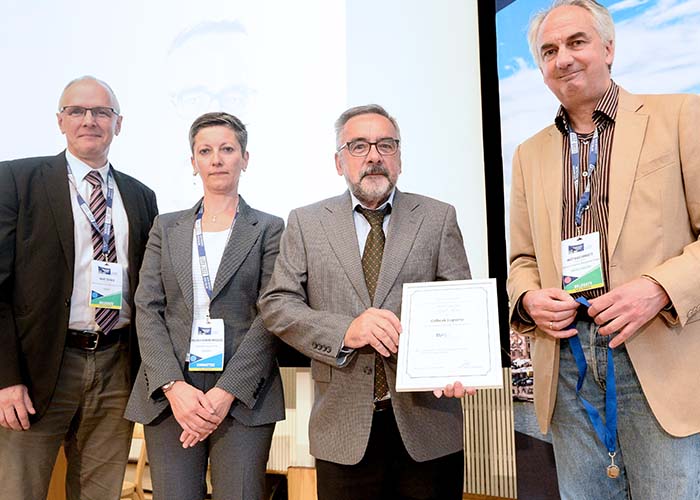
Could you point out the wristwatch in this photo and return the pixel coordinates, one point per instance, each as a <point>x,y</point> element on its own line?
<point>168,386</point>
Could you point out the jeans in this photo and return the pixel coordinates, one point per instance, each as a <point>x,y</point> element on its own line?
<point>654,465</point>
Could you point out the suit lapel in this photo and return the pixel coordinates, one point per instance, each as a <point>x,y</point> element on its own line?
<point>406,219</point>
<point>337,221</point>
<point>244,234</point>
<point>630,128</point>
<point>180,245</point>
<point>135,215</point>
<point>550,176</point>
<point>55,178</point>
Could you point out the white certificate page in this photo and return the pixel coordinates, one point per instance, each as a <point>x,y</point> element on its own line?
<point>450,333</point>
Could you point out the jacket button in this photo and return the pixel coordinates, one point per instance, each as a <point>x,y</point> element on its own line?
<point>367,370</point>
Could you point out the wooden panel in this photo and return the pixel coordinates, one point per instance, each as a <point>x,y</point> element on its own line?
<point>57,487</point>
<point>301,483</point>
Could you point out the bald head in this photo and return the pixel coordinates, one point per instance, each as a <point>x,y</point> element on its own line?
<point>88,79</point>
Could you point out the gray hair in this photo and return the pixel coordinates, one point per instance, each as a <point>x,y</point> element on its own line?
<point>367,109</point>
<point>602,21</point>
<point>219,119</point>
<point>84,78</point>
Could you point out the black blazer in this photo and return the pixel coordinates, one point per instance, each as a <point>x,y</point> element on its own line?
<point>37,256</point>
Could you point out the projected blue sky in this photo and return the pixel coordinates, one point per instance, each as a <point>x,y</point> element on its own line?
<point>662,33</point>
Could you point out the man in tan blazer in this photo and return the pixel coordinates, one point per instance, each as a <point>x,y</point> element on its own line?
<point>370,441</point>
<point>644,206</point>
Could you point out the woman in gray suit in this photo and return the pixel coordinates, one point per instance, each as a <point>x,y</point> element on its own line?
<point>209,386</point>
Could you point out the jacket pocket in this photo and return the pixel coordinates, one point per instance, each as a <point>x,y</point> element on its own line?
<point>320,372</point>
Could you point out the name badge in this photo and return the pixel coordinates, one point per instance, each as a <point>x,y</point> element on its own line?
<point>581,265</point>
<point>207,346</point>
<point>106,285</point>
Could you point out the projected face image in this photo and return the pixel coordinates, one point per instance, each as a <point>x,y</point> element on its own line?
<point>370,177</point>
<point>209,68</point>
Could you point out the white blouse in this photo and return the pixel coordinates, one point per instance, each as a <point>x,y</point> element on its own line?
<point>214,243</point>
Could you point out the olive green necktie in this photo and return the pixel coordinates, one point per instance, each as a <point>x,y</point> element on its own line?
<point>371,264</point>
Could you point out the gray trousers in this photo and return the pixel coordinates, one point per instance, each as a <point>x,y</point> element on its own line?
<point>238,455</point>
<point>85,415</point>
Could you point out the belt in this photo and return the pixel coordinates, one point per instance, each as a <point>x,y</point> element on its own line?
<point>384,404</point>
<point>95,341</point>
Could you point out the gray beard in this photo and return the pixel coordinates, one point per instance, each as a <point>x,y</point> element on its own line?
<point>371,197</point>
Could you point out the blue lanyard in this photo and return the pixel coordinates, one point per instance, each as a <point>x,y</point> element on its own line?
<point>201,251</point>
<point>585,198</point>
<point>107,228</point>
<point>607,433</point>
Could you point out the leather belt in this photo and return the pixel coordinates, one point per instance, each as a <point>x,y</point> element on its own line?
<point>384,404</point>
<point>95,341</point>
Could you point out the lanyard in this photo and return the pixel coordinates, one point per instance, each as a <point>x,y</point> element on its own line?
<point>107,228</point>
<point>585,198</point>
<point>607,432</point>
<point>201,251</point>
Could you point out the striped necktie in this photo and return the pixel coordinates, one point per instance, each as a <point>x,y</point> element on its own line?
<point>106,319</point>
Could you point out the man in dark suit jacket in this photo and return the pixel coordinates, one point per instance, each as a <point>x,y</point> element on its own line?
<point>66,368</point>
<point>331,302</point>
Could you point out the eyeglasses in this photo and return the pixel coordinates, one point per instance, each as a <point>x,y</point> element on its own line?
<point>360,147</point>
<point>98,112</point>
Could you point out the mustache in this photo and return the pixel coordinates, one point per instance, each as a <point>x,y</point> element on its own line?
<point>375,170</point>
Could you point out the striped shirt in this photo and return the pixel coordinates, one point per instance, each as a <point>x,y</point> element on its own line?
<point>596,217</point>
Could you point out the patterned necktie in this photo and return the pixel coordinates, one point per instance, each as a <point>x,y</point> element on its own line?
<point>106,319</point>
<point>371,264</point>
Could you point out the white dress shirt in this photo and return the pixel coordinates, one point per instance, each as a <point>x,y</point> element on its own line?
<point>82,316</point>
<point>362,227</point>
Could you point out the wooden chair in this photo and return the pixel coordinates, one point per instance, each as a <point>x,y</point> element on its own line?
<point>134,490</point>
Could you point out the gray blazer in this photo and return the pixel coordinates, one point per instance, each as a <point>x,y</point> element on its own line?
<point>164,304</point>
<point>318,288</point>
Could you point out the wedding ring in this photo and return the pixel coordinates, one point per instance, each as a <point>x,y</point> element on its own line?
<point>551,325</point>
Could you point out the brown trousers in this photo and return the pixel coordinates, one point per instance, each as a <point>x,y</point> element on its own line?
<point>85,415</point>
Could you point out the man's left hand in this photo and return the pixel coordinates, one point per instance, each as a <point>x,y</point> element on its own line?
<point>456,390</point>
<point>626,308</point>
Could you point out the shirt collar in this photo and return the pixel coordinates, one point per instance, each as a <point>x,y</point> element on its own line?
<point>389,201</point>
<point>604,113</point>
<point>80,169</point>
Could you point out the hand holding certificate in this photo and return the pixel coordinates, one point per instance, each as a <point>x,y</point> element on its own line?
<point>450,334</point>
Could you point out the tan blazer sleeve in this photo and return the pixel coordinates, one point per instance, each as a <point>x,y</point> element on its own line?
<point>678,275</point>
<point>523,274</point>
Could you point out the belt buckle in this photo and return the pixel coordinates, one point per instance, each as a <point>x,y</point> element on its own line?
<point>93,337</point>
<point>382,405</point>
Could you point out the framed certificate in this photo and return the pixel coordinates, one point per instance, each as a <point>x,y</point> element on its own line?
<point>450,333</point>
